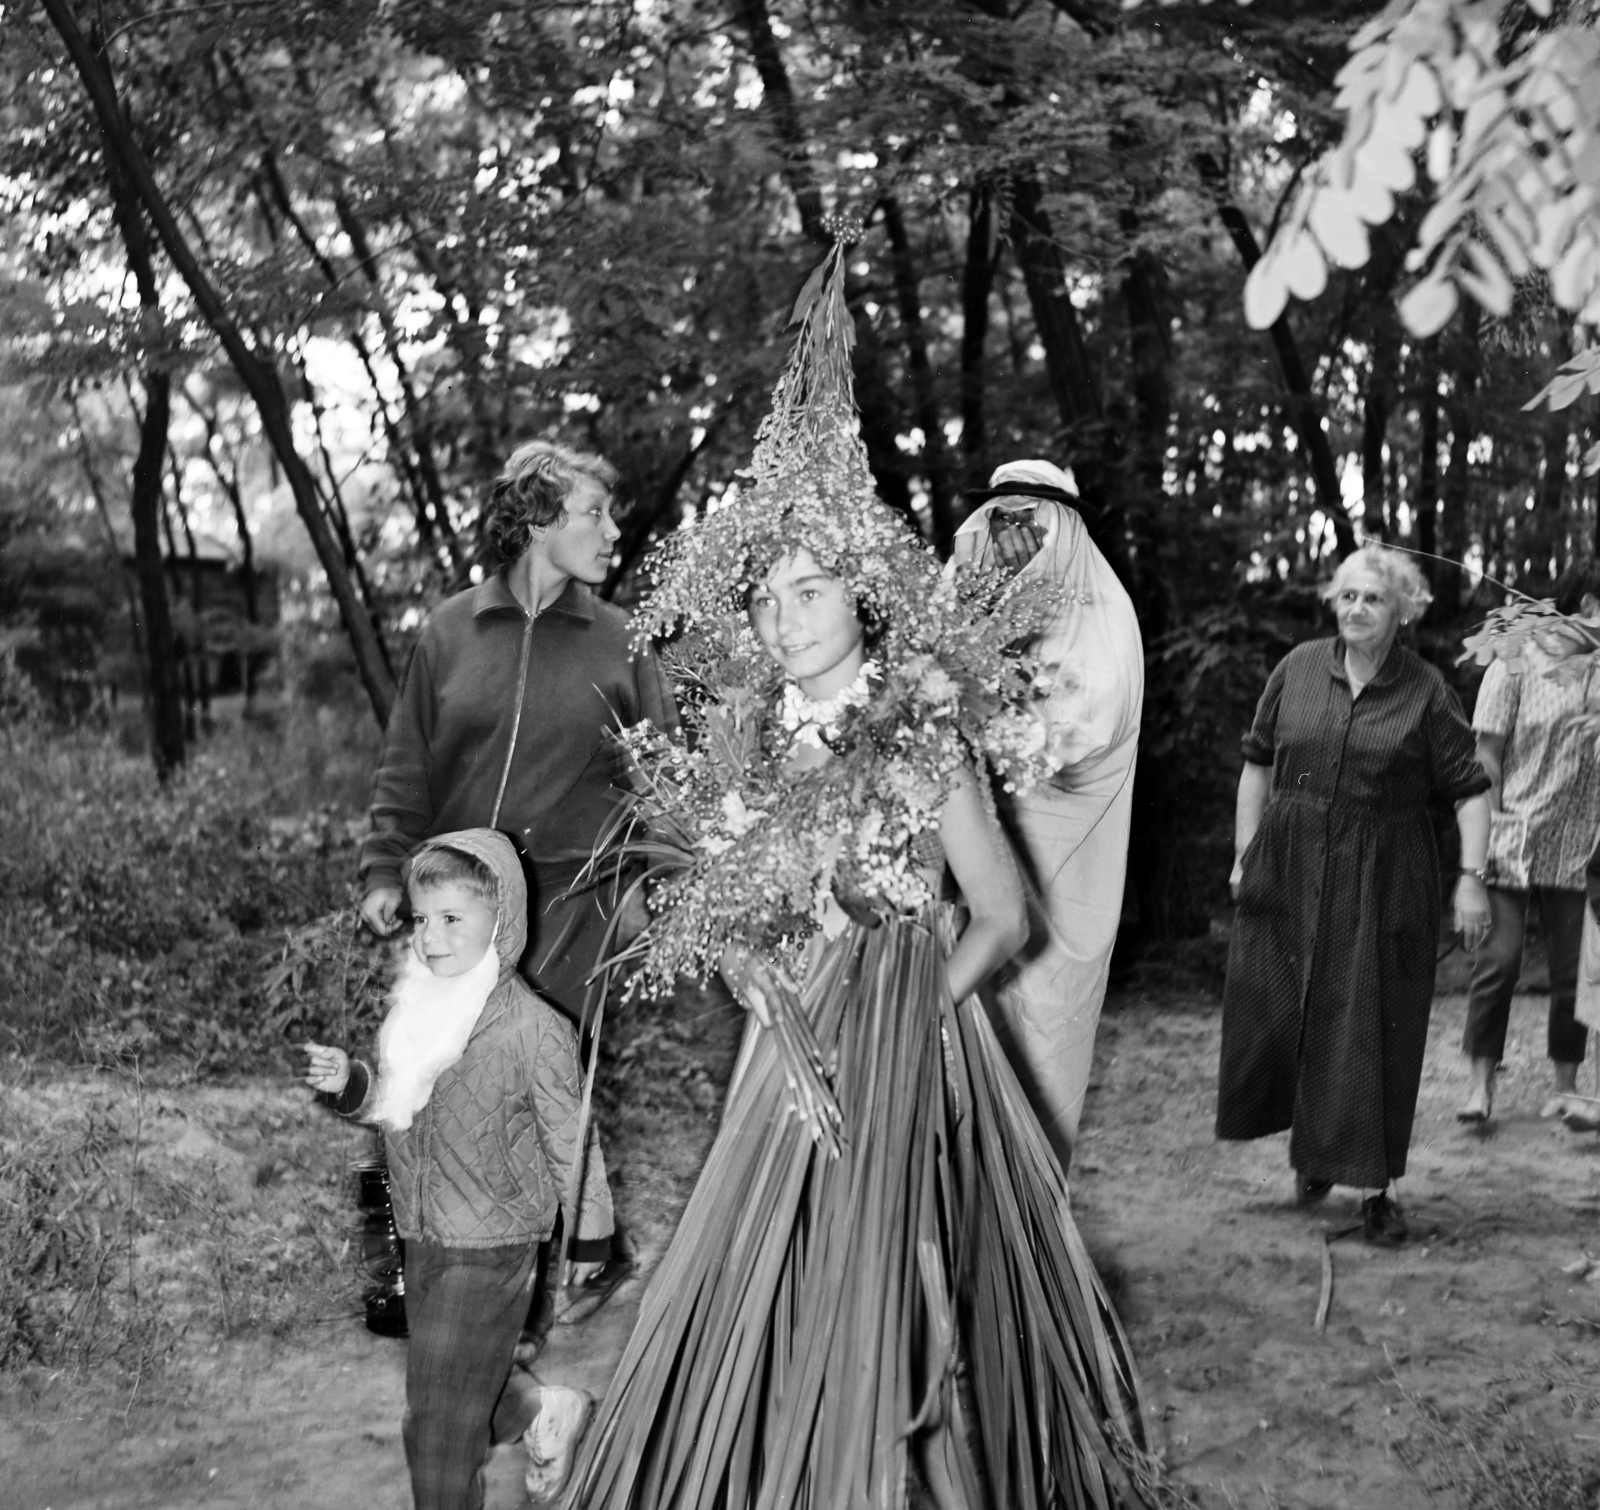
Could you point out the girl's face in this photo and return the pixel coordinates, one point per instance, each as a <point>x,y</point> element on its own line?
<point>807,620</point>
<point>1366,610</point>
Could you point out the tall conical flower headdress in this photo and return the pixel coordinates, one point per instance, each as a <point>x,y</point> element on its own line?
<point>808,487</point>
<point>953,690</point>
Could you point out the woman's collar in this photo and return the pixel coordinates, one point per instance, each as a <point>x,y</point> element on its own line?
<point>1385,673</point>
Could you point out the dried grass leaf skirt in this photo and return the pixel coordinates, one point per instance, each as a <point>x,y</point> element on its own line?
<point>801,1342</point>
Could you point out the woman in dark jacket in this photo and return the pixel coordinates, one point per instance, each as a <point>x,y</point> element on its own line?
<point>507,711</point>
<point>1330,973</point>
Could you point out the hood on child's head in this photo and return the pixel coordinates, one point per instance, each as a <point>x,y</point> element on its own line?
<point>497,852</point>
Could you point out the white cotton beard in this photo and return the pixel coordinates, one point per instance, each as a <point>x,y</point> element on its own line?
<point>430,1019</point>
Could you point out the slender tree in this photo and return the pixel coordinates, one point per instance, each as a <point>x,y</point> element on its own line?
<point>256,372</point>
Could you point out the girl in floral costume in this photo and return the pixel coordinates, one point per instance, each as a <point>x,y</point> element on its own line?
<point>876,1284</point>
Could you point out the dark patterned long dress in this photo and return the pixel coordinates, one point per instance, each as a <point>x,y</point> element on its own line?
<point>1330,971</point>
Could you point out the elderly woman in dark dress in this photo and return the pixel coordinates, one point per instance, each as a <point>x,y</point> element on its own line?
<point>1330,973</point>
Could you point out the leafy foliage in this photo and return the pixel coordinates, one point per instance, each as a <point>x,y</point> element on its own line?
<point>137,921</point>
<point>1505,100</point>
<point>452,229</point>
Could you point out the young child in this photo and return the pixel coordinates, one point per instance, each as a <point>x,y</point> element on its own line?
<point>477,1091</point>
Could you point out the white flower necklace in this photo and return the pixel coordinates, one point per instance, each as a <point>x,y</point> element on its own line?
<point>812,720</point>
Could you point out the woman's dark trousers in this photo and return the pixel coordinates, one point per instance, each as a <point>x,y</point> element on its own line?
<point>1498,964</point>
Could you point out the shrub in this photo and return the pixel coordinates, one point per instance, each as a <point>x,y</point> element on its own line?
<point>137,915</point>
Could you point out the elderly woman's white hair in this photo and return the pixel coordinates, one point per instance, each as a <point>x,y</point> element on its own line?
<point>1397,571</point>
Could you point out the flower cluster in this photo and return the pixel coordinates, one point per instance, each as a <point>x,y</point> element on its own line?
<point>704,571</point>
<point>737,846</point>
<point>741,848</point>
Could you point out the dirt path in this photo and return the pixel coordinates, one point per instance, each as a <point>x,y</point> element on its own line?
<point>1469,1339</point>
<point>1465,1346</point>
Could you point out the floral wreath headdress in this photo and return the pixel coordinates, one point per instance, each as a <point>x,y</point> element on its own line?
<point>808,487</point>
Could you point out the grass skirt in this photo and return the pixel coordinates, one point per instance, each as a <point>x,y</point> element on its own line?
<point>802,1341</point>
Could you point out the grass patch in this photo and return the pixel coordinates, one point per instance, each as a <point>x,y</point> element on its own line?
<point>1487,1461</point>
<point>133,1219</point>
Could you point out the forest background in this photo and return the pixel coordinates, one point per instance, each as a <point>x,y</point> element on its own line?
<point>282,284</point>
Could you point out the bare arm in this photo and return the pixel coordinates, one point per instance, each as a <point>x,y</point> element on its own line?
<point>986,871</point>
<point>1491,752</point>
<point>1255,786</point>
<point>1471,903</point>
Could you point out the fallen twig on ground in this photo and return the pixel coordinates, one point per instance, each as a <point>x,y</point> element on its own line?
<point>1326,1299</point>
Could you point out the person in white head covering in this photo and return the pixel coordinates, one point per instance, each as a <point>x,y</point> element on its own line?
<point>1074,831</point>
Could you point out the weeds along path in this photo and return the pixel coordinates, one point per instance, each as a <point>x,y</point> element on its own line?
<point>1461,1371</point>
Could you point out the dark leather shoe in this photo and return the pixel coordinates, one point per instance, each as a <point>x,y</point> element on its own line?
<point>1383,1223</point>
<point>1309,1190</point>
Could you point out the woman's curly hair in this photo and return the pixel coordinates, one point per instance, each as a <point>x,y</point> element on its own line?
<point>531,494</point>
<point>1400,575</point>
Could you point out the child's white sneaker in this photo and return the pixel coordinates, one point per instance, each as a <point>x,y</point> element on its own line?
<point>552,1440</point>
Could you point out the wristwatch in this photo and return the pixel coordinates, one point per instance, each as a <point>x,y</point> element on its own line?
<point>1482,875</point>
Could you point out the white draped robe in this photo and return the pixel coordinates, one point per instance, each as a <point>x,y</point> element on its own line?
<point>1073,829</point>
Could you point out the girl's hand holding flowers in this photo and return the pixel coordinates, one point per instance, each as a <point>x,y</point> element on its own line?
<point>762,986</point>
<point>755,982</point>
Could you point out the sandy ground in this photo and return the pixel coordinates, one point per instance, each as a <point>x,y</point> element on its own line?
<point>1460,1370</point>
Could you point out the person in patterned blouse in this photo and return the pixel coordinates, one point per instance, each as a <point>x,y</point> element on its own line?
<point>1545,804</point>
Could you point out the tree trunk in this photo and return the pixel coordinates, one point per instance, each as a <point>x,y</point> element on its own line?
<point>160,642</point>
<point>1072,379</point>
<point>1460,412</point>
<point>1380,494</point>
<point>338,514</point>
<point>976,281</point>
<point>130,590</point>
<point>156,634</point>
<point>427,504</point>
<point>1427,511</point>
<point>778,98</point>
<point>1553,474</point>
<point>1305,413</point>
<point>202,668</point>
<point>1375,518</point>
<point>909,297</point>
<point>882,422</point>
<point>639,523</point>
<point>258,376</point>
<point>1151,352</point>
<point>417,451</point>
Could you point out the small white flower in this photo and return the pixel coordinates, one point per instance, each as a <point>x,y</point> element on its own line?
<point>737,819</point>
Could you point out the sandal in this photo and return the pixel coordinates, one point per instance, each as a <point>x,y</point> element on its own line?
<point>1475,1116</point>
<point>1582,1114</point>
